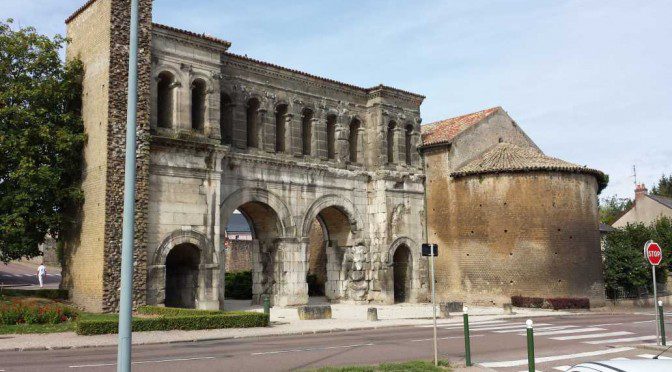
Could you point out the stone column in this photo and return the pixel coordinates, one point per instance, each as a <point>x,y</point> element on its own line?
<point>156,285</point>
<point>267,122</point>
<point>360,145</point>
<point>288,119</point>
<point>320,138</point>
<point>342,145</point>
<point>239,115</point>
<point>399,146</point>
<point>291,287</point>
<point>297,144</point>
<point>212,124</point>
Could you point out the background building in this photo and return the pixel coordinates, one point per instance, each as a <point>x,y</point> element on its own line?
<point>646,209</point>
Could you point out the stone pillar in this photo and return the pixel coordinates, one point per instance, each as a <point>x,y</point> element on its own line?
<point>320,138</point>
<point>261,128</point>
<point>213,117</point>
<point>416,142</point>
<point>333,288</point>
<point>291,268</point>
<point>295,130</point>
<point>267,122</point>
<point>342,145</point>
<point>208,294</point>
<point>156,285</point>
<point>288,133</point>
<point>239,115</point>
<point>360,145</point>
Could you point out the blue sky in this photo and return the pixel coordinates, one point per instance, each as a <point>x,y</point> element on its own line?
<point>589,81</point>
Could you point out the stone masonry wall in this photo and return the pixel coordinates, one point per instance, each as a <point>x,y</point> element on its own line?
<point>238,255</point>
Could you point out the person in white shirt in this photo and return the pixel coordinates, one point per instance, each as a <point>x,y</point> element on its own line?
<point>41,273</point>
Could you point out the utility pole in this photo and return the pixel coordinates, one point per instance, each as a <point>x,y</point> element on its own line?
<point>128,232</point>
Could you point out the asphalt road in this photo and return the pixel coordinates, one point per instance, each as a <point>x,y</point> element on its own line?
<point>500,345</point>
<point>23,275</point>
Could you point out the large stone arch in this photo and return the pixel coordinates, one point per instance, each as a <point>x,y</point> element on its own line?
<point>208,267</point>
<point>249,194</point>
<point>336,201</point>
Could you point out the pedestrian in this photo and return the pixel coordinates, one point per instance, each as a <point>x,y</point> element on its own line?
<point>41,273</point>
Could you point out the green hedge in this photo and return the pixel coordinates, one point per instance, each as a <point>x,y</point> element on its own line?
<point>238,285</point>
<point>199,319</point>
<point>52,294</point>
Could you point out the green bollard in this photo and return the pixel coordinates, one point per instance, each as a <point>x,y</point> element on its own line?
<point>530,346</point>
<point>662,322</point>
<point>467,343</point>
<point>267,305</point>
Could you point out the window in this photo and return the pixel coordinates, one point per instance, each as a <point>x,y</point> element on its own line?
<point>226,118</point>
<point>252,123</point>
<point>331,136</point>
<point>307,131</point>
<point>391,127</point>
<point>354,139</point>
<point>280,128</point>
<point>408,144</point>
<point>197,104</point>
<point>164,100</point>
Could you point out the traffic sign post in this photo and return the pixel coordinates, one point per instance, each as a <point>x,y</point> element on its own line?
<point>432,251</point>
<point>654,254</point>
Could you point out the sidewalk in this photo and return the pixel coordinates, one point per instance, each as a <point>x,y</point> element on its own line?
<point>284,321</point>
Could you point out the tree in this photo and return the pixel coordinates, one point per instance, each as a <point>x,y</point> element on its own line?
<point>41,140</point>
<point>664,186</point>
<point>612,208</point>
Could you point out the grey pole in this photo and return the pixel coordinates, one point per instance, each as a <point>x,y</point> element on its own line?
<point>128,233</point>
<point>431,267</point>
<point>655,302</point>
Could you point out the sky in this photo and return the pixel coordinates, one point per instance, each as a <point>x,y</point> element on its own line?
<point>589,81</point>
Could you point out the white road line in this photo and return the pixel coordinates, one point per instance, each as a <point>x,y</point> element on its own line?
<point>562,368</point>
<point>614,340</point>
<point>592,335</point>
<point>141,362</point>
<point>460,325</point>
<point>643,321</point>
<point>502,327</point>
<point>444,338</point>
<point>651,356</point>
<point>551,328</point>
<point>621,358</point>
<point>311,349</point>
<point>566,331</point>
<point>606,324</point>
<point>521,362</point>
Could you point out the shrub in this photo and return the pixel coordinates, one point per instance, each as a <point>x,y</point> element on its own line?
<point>20,313</point>
<point>51,294</point>
<point>176,311</point>
<point>569,303</point>
<point>238,285</point>
<point>166,323</point>
<point>531,302</point>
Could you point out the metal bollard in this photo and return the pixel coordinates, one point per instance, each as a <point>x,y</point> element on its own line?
<point>530,346</point>
<point>267,304</point>
<point>661,319</point>
<point>467,342</point>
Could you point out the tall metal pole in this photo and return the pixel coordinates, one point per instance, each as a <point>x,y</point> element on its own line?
<point>128,233</point>
<point>431,268</point>
<point>655,302</point>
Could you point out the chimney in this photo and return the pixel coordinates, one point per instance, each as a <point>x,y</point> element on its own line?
<point>640,191</point>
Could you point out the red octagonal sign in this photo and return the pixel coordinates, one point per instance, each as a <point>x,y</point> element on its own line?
<point>653,253</point>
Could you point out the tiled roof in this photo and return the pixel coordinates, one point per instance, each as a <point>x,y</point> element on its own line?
<point>509,158</point>
<point>661,199</point>
<point>605,229</point>
<point>237,223</point>
<point>189,33</point>
<point>445,131</point>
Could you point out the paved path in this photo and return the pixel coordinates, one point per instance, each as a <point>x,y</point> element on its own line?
<point>496,345</point>
<point>25,276</point>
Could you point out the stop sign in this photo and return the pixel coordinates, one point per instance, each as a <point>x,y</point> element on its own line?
<point>653,253</point>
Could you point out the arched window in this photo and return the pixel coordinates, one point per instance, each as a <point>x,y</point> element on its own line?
<point>164,100</point>
<point>307,131</point>
<point>354,139</point>
<point>331,136</point>
<point>391,148</point>
<point>252,122</point>
<point>225,118</point>
<point>280,128</point>
<point>408,144</point>
<point>198,104</point>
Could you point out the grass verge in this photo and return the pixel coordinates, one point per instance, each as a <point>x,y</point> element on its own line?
<point>412,366</point>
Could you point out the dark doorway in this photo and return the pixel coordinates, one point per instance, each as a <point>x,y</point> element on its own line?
<point>402,274</point>
<point>182,276</point>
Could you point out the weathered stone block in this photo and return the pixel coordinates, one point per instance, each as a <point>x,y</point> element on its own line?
<point>314,312</point>
<point>372,314</point>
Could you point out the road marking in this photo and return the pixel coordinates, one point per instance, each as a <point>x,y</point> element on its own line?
<point>621,358</point>
<point>642,321</point>
<point>142,362</point>
<point>451,325</point>
<point>592,335</point>
<point>444,338</point>
<point>521,362</point>
<point>310,349</point>
<point>606,324</point>
<point>565,331</point>
<point>502,327</point>
<point>651,356</point>
<point>551,328</point>
<point>627,339</point>
<point>562,368</point>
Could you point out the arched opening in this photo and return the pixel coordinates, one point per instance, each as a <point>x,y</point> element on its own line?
<point>252,123</point>
<point>403,269</point>
<point>182,276</point>
<point>164,100</point>
<point>252,232</point>
<point>226,118</point>
<point>391,128</point>
<point>307,131</point>
<point>328,238</point>
<point>353,140</point>
<point>280,128</point>
<point>408,144</point>
<point>198,88</point>
<point>331,137</point>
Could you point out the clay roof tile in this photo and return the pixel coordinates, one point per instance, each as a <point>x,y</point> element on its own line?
<point>445,131</point>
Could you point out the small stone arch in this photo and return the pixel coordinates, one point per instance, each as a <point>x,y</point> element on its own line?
<point>248,194</point>
<point>178,237</point>
<point>339,202</point>
<point>410,243</point>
